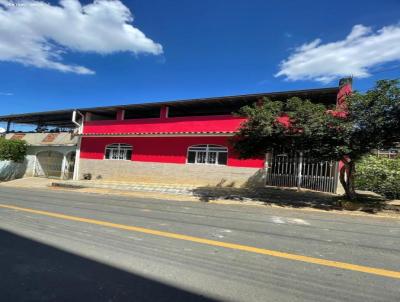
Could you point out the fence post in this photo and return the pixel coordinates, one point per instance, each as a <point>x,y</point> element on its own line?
<point>299,175</point>
<point>266,167</point>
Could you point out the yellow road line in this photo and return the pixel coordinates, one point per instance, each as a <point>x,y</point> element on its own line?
<point>234,246</point>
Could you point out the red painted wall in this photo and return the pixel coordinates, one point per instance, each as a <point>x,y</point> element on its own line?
<point>162,149</point>
<point>341,106</point>
<point>166,149</point>
<point>176,124</point>
<point>344,91</point>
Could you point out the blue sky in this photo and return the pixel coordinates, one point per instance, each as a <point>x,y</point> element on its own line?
<point>195,49</point>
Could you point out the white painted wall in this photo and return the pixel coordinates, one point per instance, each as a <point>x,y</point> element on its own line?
<point>11,170</point>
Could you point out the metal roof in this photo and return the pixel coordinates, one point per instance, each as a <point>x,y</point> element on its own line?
<point>62,118</point>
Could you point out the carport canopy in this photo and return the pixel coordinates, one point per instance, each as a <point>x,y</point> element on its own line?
<point>59,118</point>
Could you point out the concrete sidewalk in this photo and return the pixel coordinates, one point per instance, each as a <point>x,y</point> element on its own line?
<point>207,193</point>
<point>28,182</point>
<point>127,186</point>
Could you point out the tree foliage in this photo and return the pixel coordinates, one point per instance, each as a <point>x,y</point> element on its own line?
<point>14,150</point>
<point>380,175</point>
<point>371,121</point>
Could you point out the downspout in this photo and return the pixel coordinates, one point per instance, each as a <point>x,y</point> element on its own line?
<point>78,149</point>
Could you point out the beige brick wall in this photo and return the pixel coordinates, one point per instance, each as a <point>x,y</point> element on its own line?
<point>172,173</point>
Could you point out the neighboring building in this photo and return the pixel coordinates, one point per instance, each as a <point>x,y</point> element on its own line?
<point>185,142</point>
<point>389,153</point>
<point>48,155</point>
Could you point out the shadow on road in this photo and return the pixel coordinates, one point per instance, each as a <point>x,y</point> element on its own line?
<point>33,271</point>
<point>269,195</point>
<point>287,197</point>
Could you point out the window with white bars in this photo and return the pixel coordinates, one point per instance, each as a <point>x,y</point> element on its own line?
<point>118,152</point>
<point>207,154</point>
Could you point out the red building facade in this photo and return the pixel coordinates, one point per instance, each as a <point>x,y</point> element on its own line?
<point>183,141</point>
<point>164,140</point>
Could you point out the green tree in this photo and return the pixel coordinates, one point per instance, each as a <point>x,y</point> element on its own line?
<point>380,175</point>
<point>371,121</point>
<point>14,150</point>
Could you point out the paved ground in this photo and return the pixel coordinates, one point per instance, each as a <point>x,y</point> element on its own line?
<point>47,258</point>
<point>28,182</point>
<point>127,186</point>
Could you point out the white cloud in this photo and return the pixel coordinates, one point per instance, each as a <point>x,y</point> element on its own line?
<point>6,93</point>
<point>39,34</point>
<point>361,50</point>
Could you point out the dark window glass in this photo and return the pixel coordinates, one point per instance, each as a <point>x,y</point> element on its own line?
<point>107,154</point>
<point>222,158</point>
<point>212,157</point>
<point>128,154</point>
<point>191,157</point>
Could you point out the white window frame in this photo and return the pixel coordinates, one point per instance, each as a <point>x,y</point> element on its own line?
<point>121,151</point>
<point>207,150</point>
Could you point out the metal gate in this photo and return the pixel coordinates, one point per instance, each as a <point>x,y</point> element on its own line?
<point>293,170</point>
<point>49,164</point>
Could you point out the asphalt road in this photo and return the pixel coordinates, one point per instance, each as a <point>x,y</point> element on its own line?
<point>44,258</point>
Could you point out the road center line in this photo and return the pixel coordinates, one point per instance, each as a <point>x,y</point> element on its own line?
<point>234,246</point>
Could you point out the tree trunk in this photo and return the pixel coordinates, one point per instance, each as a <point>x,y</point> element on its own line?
<point>346,177</point>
